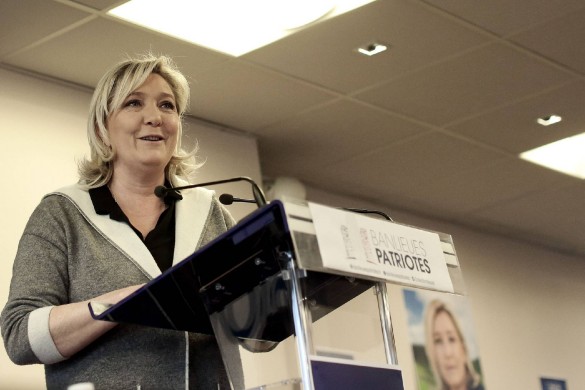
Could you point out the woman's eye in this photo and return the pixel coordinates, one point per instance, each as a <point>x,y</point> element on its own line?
<point>168,105</point>
<point>132,103</point>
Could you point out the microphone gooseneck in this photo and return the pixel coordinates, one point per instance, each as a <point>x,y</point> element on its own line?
<point>259,197</point>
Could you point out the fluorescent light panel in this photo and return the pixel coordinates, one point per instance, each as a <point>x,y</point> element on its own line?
<point>234,27</point>
<point>566,156</point>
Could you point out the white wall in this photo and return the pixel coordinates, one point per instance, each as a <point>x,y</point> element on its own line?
<point>43,133</point>
<point>527,305</point>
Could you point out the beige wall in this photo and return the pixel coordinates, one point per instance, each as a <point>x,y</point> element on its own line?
<point>43,133</point>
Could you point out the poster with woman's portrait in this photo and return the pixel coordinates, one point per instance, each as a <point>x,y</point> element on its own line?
<point>443,341</point>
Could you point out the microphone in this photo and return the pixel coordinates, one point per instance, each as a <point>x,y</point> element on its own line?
<point>259,197</point>
<point>228,199</point>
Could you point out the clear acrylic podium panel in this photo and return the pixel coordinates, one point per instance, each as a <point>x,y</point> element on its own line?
<point>335,315</point>
<point>349,332</point>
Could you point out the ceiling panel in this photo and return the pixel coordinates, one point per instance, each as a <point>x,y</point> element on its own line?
<point>555,215</point>
<point>504,17</point>
<point>104,42</point>
<point>477,81</point>
<point>558,40</point>
<point>514,128</point>
<point>247,97</point>
<point>331,133</point>
<point>325,54</point>
<point>40,17</point>
<point>404,168</point>
<point>465,192</point>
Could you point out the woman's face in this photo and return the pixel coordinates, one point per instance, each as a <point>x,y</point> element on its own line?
<point>144,130</point>
<point>450,353</point>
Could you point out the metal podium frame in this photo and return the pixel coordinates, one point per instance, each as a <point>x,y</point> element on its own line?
<point>303,328</point>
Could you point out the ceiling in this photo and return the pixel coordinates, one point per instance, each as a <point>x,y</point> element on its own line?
<point>432,126</point>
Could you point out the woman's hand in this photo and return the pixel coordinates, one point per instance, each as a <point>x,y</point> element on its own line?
<point>73,328</point>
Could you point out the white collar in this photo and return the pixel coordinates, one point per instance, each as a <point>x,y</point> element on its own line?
<point>191,214</point>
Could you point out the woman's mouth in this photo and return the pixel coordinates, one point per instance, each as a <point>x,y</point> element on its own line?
<point>152,138</point>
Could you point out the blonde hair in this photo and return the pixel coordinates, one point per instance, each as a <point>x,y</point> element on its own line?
<point>109,95</point>
<point>433,309</point>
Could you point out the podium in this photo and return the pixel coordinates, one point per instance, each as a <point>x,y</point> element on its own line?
<point>283,316</point>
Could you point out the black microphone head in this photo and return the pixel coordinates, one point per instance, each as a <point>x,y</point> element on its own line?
<point>160,191</point>
<point>226,199</point>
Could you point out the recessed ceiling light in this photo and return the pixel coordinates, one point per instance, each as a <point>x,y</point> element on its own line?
<point>372,49</point>
<point>234,27</point>
<point>564,156</point>
<point>549,120</point>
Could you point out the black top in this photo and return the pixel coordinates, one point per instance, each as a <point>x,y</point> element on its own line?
<point>160,241</point>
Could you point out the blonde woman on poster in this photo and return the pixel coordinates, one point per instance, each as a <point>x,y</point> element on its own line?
<point>447,351</point>
<point>441,333</point>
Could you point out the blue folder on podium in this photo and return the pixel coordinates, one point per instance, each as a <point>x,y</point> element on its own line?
<point>231,266</point>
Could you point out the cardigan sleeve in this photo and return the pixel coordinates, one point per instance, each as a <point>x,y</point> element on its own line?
<point>39,282</point>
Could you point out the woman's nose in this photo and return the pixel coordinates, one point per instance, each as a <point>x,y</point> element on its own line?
<point>449,348</point>
<point>152,115</point>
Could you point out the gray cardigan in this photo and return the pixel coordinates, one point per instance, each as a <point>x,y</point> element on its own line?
<point>68,253</point>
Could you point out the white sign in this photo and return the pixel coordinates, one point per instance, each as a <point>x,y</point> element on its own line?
<point>354,243</point>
